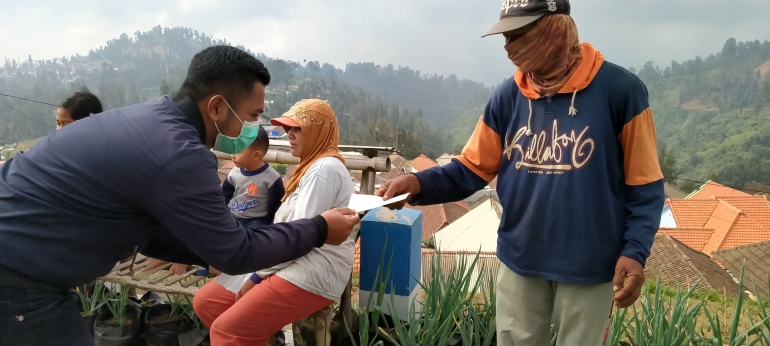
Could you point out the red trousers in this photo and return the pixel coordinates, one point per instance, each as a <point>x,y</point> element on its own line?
<point>258,315</point>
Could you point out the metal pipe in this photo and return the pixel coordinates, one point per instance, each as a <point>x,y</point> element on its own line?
<point>352,162</point>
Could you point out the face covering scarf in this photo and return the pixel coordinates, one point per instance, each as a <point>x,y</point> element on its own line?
<point>548,53</point>
<point>234,145</point>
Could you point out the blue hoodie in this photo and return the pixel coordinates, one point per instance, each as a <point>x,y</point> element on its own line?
<point>87,195</point>
<point>578,173</point>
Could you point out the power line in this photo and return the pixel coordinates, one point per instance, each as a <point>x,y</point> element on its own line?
<point>22,114</point>
<point>13,129</point>
<point>26,99</point>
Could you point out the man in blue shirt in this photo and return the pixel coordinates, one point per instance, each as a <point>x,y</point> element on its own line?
<point>137,178</point>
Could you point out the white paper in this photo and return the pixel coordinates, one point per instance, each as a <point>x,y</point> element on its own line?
<point>232,283</point>
<point>361,203</point>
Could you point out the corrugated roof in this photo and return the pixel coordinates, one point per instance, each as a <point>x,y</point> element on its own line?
<point>455,210</point>
<point>422,163</point>
<point>753,258</point>
<point>711,189</point>
<point>672,191</point>
<point>695,238</point>
<point>397,161</point>
<point>681,266</point>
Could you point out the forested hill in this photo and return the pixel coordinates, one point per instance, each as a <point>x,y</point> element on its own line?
<point>375,105</point>
<point>713,115</point>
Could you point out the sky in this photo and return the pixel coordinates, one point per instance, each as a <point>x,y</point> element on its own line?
<point>431,36</point>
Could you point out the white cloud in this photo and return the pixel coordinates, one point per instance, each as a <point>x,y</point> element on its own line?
<point>432,36</point>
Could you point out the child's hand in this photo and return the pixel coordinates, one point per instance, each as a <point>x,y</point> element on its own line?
<point>178,269</point>
<point>154,263</point>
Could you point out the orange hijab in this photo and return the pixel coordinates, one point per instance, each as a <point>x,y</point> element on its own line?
<point>321,136</point>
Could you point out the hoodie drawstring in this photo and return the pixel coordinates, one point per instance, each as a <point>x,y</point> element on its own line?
<point>572,112</point>
<point>529,121</point>
<point>572,109</point>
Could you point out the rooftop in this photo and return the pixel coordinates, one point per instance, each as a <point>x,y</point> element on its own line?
<point>754,259</point>
<point>681,266</point>
<point>422,163</point>
<point>711,189</point>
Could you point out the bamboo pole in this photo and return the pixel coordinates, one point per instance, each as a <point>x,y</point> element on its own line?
<point>352,162</point>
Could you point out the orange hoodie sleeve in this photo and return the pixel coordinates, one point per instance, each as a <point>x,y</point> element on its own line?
<point>483,151</point>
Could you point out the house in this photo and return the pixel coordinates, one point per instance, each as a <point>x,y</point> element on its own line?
<point>478,197</point>
<point>727,221</point>
<point>274,132</point>
<point>711,189</point>
<point>438,216</point>
<point>476,230</point>
<point>399,163</point>
<point>679,265</point>
<point>421,163</point>
<point>753,259</point>
<point>443,160</point>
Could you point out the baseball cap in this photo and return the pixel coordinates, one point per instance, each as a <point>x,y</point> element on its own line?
<point>517,13</point>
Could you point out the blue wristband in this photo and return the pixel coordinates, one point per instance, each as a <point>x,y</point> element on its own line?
<point>255,278</point>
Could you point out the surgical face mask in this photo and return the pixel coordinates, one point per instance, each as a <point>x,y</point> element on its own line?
<point>234,145</point>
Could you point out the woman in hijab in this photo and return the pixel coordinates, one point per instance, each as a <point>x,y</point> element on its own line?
<point>287,293</point>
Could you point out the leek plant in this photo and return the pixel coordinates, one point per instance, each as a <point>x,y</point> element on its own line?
<point>91,304</point>
<point>117,302</point>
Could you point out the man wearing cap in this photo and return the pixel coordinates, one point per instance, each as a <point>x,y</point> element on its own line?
<point>572,142</point>
<point>138,178</point>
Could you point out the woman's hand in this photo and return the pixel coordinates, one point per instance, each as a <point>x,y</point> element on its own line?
<point>178,269</point>
<point>246,287</point>
<point>154,263</point>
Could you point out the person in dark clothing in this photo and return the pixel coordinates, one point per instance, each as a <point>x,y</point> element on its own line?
<point>138,178</point>
<point>78,106</point>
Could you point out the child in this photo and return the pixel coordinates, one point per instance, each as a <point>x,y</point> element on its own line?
<point>78,106</point>
<point>253,191</point>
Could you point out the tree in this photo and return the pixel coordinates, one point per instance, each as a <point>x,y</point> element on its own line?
<point>166,88</point>
<point>668,164</point>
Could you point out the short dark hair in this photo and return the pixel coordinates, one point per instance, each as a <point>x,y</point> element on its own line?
<point>223,70</point>
<point>82,104</point>
<point>262,142</point>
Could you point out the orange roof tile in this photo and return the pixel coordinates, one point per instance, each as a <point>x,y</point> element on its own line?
<point>755,207</point>
<point>433,218</point>
<point>455,210</point>
<point>695,238</point>
<point>422,163</point>
<point>744,231</point>
<point>711,189</point>
<point>721,221</point>
<point>690,213</point>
